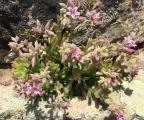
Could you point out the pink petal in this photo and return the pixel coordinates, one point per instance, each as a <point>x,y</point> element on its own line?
<point>37,91</point>
<point>69,8</point>
<point>77,13</point>
<point>68,13</point>
<point>75,9</point>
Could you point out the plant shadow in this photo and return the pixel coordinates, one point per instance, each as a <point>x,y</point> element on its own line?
<point>47,112</point>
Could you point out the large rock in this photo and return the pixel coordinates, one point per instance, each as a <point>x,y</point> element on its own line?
<point>8,16</point>
<point>135,102</point>
<point>131,98</point>
<point>14,15</point>
<point>15,107</point>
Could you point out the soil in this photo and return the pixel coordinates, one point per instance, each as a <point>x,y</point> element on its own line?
<point>5,75</point>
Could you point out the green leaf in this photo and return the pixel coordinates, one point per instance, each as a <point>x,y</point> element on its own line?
<point>21,67</point>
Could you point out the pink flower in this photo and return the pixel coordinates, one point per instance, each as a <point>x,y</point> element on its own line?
<point>37,91</point>
<point>76,52</point>
<point>26,88</point>
<point>129,44</point>
<point>94,16</point>
<point>33,90</point>
<point>29,88</point>
<point>119,115</point>
<point>72,11</point>
<point>64,105</point>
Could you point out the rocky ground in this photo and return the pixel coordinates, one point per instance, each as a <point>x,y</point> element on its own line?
<point>13,107</point>
<point>14,15</point>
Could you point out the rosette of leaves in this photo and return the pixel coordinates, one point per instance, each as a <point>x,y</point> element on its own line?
<point>21,68</point>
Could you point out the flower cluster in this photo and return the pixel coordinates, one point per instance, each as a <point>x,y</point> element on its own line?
<point>129,44</point>
<point>72,11</point>
<point>34,90</point>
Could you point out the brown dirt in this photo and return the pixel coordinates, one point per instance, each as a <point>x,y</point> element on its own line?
<point>5,77</point>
